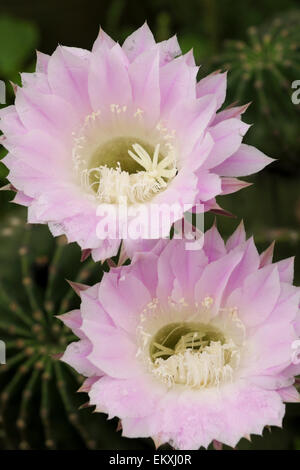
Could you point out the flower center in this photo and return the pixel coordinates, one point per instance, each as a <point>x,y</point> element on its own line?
<point>114,153</point>
<point>112,165</point>
<point>176,338</point>
<point>193,354</point>
<point>116,171</point>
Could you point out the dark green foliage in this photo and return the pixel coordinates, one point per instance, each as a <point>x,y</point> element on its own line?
<point>262,70</point>
<point>18,39</point>
<point>39,406</point>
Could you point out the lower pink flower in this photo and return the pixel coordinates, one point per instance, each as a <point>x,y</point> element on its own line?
<point>188,347</point>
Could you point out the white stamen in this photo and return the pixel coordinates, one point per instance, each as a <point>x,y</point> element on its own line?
<point>198,369</point>
<point>207,302</point>
<point>112,184</point>
<point>138,112</point>
<point>208,353</point>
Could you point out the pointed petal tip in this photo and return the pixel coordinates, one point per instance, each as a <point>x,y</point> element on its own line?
<point>241,228</point>
<point>111,263</point>
<point>231,105</point>
<point>97,410</point>
<point>82,389</point>
<point>158,441</point>
<point>101,33</point>
<point>8,187</point>
<point>56,356</point>
<point>77,287</point>
<point>242,108</point>
<point>85,254</point>
<point>14,86</point>
<point>246,106</point>
<point>85,405</point>
<point>217,445</point>
<point>219,72</point>
<point>119,426</point>
<point>220,211</point>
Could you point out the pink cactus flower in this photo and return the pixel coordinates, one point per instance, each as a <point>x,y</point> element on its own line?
<point>91,128</point>
<point>191,347</point>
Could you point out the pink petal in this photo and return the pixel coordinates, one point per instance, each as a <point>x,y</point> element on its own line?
<point>124,297</point>
<point>103,40</point>
<point>289,394</point>
<point>141,40</point>
<point>115,354</point>
<point>214,279</point>
<point>209,185</point>
<point>135,397</point>
<point>36,80</point>
<point>267,256</point>
<point>214,246</point>
<point>10,122</point>
<point>237,238</point>
<point>168,50</point>
<point>139,268</point>
<point>232,185</point>
<point>73,321</point>
<point>107,249</point>
<point>258,296</point>
<point>197,116</point>
<point>76,356</point>
<point>184,267</point>
<point>108,79</point>
<point>271,350</point>
<point>286,269</point>
<point>245,161</point>
<point>287,306</point>
<point>229,113</point>
<point>177,83</point>
<point>46,112</point>
<point>144,77</point>
<point>214,83</point>
<point>21,198</point>
<point>68,77</point>
<point>42,61</point>
<point>91,308</point>
<point>228,136</point>
<point>248,264</point>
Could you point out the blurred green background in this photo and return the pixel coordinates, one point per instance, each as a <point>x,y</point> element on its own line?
<point>258,43</point>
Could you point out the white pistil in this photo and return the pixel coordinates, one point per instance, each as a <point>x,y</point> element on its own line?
<point>152,167</point>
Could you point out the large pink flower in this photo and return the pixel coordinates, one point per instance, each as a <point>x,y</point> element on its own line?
<point>191,346</point>
<point>89,129</point>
